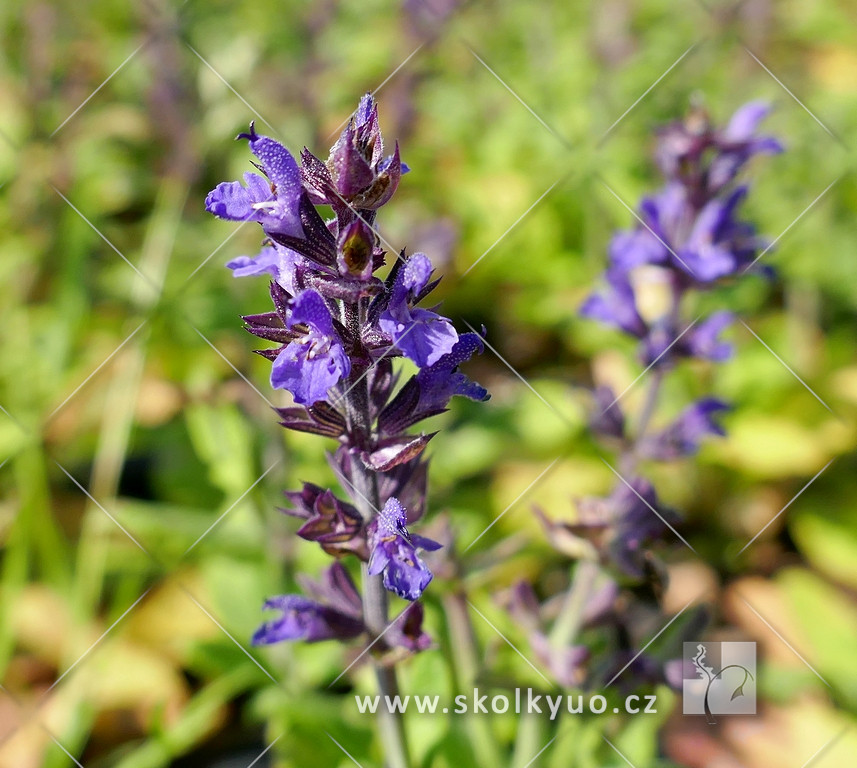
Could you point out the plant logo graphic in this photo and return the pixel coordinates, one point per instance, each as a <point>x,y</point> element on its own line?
<point>719,679</point>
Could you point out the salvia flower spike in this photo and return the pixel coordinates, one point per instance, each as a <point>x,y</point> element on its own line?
<point>338,326</point>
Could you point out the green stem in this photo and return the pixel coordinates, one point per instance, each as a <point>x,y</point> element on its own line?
<point>568,623</point>
<point>463,650</point>
<point>529,739</point>
<point>375,607</point>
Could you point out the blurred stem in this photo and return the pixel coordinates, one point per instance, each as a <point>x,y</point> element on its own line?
<point>120,403</point>
<point>33,548</point>
<point>650,404</point>
<point>465,656</point>
<point>367,499</point>
<point>570,619</point>
<point>529,739</point>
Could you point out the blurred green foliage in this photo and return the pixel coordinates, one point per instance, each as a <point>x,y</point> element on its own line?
<point>124,371</point>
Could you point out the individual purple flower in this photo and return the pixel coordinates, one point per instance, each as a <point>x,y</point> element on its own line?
<point>616,305</point>
<point>705,244</point>
<point>333,611</point>
<point>356,175</point>
<point>407,631</point>
<point>738,142</point>
<point>394,553</point>
<point>441,381</point>
<point>422,335</point>
<point>684,436</point>
<point>266,262</point>
<point>703,339</point>
<point>664,218</point>
<point>273,201</point>
<point>718,244</point>
<point>428,392</point>
<point>336,525</point>
<point>619,528</point>
<point>309,366</point>
<point>707,159</point>
<point>275,260</point>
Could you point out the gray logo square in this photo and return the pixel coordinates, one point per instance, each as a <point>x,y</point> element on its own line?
<point>719,679</point>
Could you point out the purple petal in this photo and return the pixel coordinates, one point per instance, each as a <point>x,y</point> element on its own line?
<point>631,249</point>
<point>407,577</point>
<point>378,561</point>
<point>429,545</point>
<point>310,308</point>
<point>616,305</point>
<point>266,262</point>
<point>232,201</point>
<point>745,121</point>
<point>424,337</point>
<point>702,340</point>
<point>309,375</point>
<point>440,382</point>
<point>280,166</point>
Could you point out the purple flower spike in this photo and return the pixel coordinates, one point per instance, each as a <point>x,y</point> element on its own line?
<point>308,367</point>
<point>274,202</point>
<point>422,335</point>
<point>394,553</point>
<point>332,317</point>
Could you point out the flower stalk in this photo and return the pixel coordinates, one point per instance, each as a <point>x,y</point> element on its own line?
<point>338,326</point>
<point>689,239</point>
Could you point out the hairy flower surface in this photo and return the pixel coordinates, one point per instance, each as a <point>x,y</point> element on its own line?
<point>422,335</point>
<point>394,553</point>
<point>310,365</point>
<point>272,201</point>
